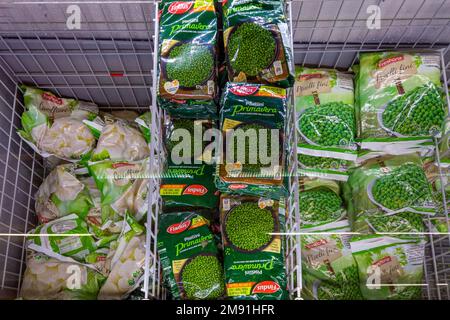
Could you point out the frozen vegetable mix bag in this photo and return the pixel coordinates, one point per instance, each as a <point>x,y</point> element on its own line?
<point>329,270</point>
<point>48,278</point>
<point>400,97</point>
<point>389,268</point>
<point>189,256</point>
<point>392,184</point>
<point>256,40</point>
<point>53,126</point>
<point>188,65</point>
<point>324,100</point>
<point>253,257</point>
<point>189,185</point>
<point>144,122</point>
<point>62,193</point>
<point>252,121</point>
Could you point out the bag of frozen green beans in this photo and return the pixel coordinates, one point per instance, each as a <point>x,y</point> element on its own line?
<point>189,185</point>
<point>324,100</point>
<point>189,256</point>
<point>188,65</point>
<point>256,40</point>
<point>253,256</point>
<point>391,184</point>
<point>328,268</point>
<point>252,121</point>
<point>320,202</point>
<point>389,268</point>
<point>401,99</point>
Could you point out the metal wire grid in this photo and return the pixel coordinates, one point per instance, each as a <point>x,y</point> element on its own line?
<point>109,62</point>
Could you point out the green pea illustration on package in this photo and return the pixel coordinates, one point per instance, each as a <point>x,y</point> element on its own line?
<point>391,184</point>
<point>400,97</point>
<point>189,185</point>
<point>253,256</point>
<point>320,202</point>
<point>252,120</point>
<point>329,270</point>
<point>324,100</point>
<point>189,256</point>
<point>52,125</point>
<point>389,268</point>
<point>256,41</point>
<point>188,66</point>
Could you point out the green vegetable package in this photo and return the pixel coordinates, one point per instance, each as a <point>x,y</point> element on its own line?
<point>189,185</point>
<point>62,193</point>
<point>400,98</point>
<point>183,139</point>
<point>389,268</point>
<point>252,121</point>
<point>324,100</point>
<point>53,126</point>
<point>320,202</point>
<point>329,270</point>
<point>253,257</point>
<point>189,256</point>
<point>256,40</point>
<point>188,66</point>
<point>444,145</point>
<point>391,184</point>
<point>123,186</point>
<point>144,122</point>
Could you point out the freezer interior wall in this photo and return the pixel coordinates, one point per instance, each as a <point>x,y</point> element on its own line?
<point>109,61</point>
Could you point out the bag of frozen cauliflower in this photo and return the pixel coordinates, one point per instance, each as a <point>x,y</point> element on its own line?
<point>118,139</point>
<point>53,126</point>
<point>48,278</point>
<point>62,193</point>
<point>123,186</point>
<point>127,262</point>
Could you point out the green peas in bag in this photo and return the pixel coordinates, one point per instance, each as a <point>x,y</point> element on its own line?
<point>389,268</point>
<point>256,41</point>
<point>188,65</point>
<point>329,270</point>
<point>400,97</point>
<point>189,256</point>
<point>253,256</point>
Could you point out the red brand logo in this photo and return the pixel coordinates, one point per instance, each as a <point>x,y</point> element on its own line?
<point>305,77</point>
<point>383,63</point>
<point>180,7</point>
<point>382,261</point>
<point>195,190</point>
<point>179,227</point>
<point>243,90</point>
<point>237,186</point>
<point>121,164</point>
<point>52,98</point>
<point>316,244</point>
<point>266,287</point>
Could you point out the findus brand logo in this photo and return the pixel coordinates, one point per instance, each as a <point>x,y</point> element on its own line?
<point>243,90</point>
<point>266,287</point>
<point>179,227</point>
<point>180,7</point>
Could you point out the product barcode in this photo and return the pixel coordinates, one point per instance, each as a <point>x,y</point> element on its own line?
<point>278,68</point>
